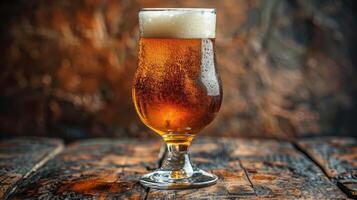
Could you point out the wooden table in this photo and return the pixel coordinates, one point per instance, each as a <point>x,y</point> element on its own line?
<point>42,168</point>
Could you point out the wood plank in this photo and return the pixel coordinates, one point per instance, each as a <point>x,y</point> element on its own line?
<point>22,156</point>
<point>94,169</point>
<point>107,169</point>
<point>278,170</point>
<point>213,155</point>
<point>337,157</point>
<point>274,170</point>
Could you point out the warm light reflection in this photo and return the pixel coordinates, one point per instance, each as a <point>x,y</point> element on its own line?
<point>172,118</point>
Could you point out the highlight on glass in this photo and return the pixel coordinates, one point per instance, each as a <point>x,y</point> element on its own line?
<point>176,88</point>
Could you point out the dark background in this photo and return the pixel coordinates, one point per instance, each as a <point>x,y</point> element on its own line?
<point>288,67</point>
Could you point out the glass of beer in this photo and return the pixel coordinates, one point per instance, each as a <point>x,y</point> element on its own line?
<point>176,89</point>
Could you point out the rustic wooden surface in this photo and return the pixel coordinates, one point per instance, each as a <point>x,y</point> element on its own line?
<point>214,156</point>
<point>94,169</point>
<point>256,169</point>
<point>22,156</point>
<point>278,170</point>
<point>248,169</point>
<point>337,157</point>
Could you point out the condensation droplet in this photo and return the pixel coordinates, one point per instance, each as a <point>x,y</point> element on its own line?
<point>208,70</point>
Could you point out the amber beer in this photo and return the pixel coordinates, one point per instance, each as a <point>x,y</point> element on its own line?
<point>176,89</point>
<point>169,93</point>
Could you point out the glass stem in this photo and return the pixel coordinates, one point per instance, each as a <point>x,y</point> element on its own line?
<point>178,161</point>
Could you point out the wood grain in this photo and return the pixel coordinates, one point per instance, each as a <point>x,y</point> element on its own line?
<point>337,157</point>
<point>94,169</point>
<point>278,170</point>
<point>248,169</point>
<point>255,169</point>
<point>21,157</point>
<point>213,155</point>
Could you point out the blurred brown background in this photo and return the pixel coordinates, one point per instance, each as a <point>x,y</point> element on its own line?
<point>288,67</point>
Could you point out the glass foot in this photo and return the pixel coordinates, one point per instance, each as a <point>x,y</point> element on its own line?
<point>164,179</point>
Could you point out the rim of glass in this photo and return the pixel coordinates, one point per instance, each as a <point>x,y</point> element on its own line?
<point>212,10</point>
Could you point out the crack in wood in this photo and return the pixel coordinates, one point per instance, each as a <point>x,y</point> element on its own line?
<point>28,154</point>
<point>336,157</point>
<point>302,151</point>
<point>246,175</point>
<point>277,170</point>
<point>102,169</point>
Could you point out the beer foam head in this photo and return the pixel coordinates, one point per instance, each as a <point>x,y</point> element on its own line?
<point>177,23</point>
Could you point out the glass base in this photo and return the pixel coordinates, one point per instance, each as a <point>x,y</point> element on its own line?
<point>163,179</point>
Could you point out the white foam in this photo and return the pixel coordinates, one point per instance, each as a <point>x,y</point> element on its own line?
<point>177,23</point>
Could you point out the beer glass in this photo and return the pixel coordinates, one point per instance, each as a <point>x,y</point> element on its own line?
<point>176,88</point>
